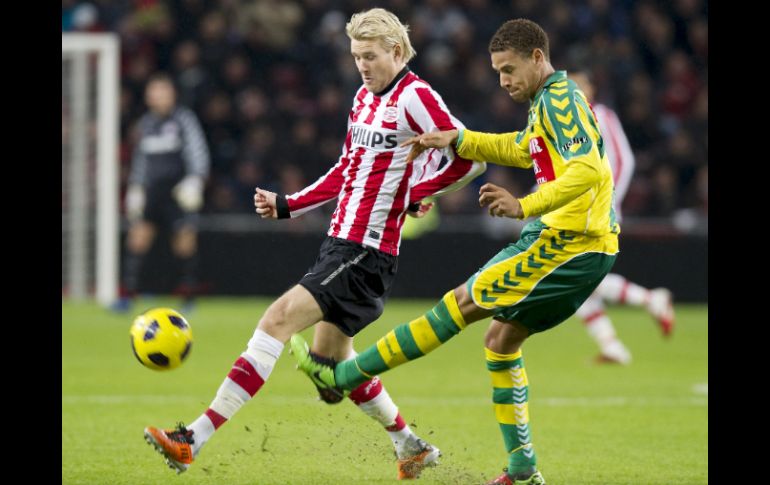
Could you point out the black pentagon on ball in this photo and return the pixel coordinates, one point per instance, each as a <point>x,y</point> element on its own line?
<point>178,322</point>
<point>158,359</point>
<point>149,334</point>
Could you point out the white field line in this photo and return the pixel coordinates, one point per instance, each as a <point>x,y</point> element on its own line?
<point>609,401</point>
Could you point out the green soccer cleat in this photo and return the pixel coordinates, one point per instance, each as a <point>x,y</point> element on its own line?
<point>329,396</point>
<point>321,374</point>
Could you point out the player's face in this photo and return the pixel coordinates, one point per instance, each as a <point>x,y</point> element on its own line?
<point>376,65</point>
<point>519,75</point>
<point>160,97</point>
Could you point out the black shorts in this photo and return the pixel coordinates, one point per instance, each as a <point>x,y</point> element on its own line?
<point>163,210</point>
<point>350,282</point>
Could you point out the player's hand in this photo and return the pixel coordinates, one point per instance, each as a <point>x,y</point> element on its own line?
<point>436,139</point>
<point>500,201</point>
<point>135,200</point>
<point>264,201</point>
<point>189,193</point>
<point>422,211</point>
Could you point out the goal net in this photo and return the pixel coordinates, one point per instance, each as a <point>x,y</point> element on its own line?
<point>90,217</point>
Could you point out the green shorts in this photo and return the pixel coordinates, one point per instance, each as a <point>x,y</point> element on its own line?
<point>544,277</point>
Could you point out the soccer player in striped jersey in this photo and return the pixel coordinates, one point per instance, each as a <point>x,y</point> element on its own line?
<point>615,288</point>
<point>536,283</point>
<point>374,186</point>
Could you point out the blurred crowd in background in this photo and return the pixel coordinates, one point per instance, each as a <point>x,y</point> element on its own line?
<point>272,82</point>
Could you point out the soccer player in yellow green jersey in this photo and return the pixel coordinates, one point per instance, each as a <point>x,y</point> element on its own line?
<point>539,281</point>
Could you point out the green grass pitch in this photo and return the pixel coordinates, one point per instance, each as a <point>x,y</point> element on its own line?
<point>591,424</point>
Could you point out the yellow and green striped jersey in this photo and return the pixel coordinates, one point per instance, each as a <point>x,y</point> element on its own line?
<point>563,144</point>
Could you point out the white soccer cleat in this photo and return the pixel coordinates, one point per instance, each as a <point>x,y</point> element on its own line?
<point>411,466</point>
<point>614,353</point>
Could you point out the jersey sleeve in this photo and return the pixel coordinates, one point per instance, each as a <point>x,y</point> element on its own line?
<point>195,151</point>
<point>509,149</point>
<point>326,188</point>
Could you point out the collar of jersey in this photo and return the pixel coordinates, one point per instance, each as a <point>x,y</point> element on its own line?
<point>555,77</point>
<point>395,81</point>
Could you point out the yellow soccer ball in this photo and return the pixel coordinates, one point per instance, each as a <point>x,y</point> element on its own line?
<point>161,339</point>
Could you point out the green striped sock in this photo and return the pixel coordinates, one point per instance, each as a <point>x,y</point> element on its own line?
<point>510,398</point>
<point>404,343</point>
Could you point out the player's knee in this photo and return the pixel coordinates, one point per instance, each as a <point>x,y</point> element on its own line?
<point>462,297</point>
<point>505,337</point>
<point>274,319</point>
<point>470,311</point>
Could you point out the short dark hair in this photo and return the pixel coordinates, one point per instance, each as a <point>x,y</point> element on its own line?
<point>522,36</point>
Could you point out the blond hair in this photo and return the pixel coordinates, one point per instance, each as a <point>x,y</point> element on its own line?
<point>380,24</point>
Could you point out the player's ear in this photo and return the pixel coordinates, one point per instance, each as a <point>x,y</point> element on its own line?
<point>398,52</point>
<point>538,56</point>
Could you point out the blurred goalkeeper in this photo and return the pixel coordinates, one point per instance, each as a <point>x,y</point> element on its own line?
<point>165,191</point>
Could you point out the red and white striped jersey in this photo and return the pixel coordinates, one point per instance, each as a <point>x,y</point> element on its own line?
<point>371,181</point>
<point>618,151</point>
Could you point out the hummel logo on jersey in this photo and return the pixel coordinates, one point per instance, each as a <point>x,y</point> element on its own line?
<point>371,138</point>
<point>575,141</point>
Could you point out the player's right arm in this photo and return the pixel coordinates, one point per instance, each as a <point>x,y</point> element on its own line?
<point>270,205</point>
<point>509,149</point>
